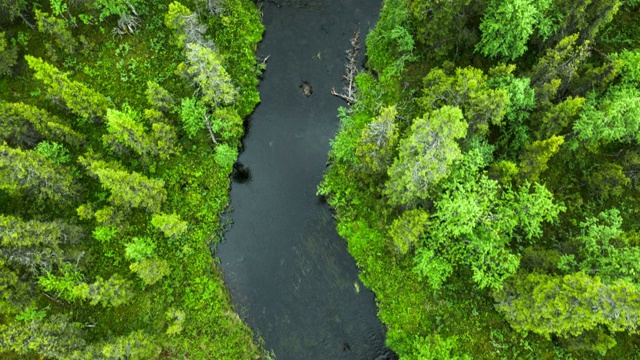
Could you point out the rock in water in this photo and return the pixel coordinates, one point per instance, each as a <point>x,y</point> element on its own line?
<point>307,90</point>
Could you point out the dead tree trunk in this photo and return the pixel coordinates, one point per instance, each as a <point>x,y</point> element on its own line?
<point>349,89</point>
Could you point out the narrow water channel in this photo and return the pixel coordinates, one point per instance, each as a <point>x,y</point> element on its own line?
<point>288,271</point>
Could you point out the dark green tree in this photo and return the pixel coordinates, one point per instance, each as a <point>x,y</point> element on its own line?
<point>8,56</point>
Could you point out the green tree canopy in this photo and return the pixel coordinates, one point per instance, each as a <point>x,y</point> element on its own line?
<point>425,155</point>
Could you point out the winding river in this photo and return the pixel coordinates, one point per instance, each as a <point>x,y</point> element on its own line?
<point>288,271</point>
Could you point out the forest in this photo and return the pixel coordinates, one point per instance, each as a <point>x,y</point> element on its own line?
<point>121,121</point>
<point>487,178</point>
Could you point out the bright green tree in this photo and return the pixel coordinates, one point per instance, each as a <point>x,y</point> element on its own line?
<point>171,225</point>
<point>225,156</point>
<point>604,250</point>
<point>29,172</point>
<point>140,248</point>
<point>507,25</point>
<point>128,190</point>
<point>378,140</point>
<point>24,125</point>
<point>204,68</point>
<point>192,114</point>
<point>425,155</point>
<point>469,90</point>
<point>79,98</point>
<point>613,117</point>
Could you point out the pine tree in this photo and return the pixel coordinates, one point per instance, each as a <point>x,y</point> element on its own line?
<point>36,245</point>
<point>378,140</point>
<point>80,99</point>
<point>568,305</point>
<point>151,270</point>
<point>536,155</point>
<point>407,230</point>
<point>425,155</point>
<point>24,125</point>
<point>469,90</point>
<point>170,225</point>
<point>128,190</point>
<point>57,28</point>
<point>204,68</point>
<point>158,97</point>
<point>8,55</point>
<point>29,172</point>
<point>113,292</point>
<point>56,337</point>
<point>124,133</point>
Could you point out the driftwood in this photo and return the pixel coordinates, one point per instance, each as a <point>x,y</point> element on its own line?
<point>351,70</point>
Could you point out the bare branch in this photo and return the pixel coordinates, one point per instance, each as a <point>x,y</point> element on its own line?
<point>351,70</point>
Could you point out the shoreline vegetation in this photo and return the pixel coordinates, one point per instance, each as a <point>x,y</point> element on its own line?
<point>111,188</point>
<point>486,178</point>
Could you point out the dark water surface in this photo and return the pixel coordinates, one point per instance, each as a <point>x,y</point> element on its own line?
<point>289,272</point>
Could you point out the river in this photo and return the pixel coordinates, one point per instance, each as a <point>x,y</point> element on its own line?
<point>288,271</point>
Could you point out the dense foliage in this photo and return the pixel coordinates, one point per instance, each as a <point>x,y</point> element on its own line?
<point>487,178</point>
<point>111,187</point>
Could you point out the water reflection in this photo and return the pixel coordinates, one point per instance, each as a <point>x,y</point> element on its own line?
<point>241,174</point>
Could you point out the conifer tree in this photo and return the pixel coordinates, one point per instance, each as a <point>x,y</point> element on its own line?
<point>425,155</point>
<point>35,245</point>
<point>29,172</point>
<point>128,190</point>
<point>204,68</point>
<point>536,155</point>
<point>124,133</point>
<point>378,141</point>
<point>79,98</point>
<point>55,337</point>
<point>24,125</point>
<point>8,56</point>
<point>57,28</point>
<point>568,305</point>
<point>158,97</point>
<point>469,90</point>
